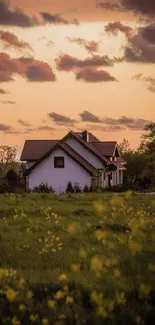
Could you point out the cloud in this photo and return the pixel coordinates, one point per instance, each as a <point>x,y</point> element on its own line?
<point>23,123</point>
<point>139,49</point>
<point>94,75</point>
<point>47,42</point>
<point>111,6</point>
<point>11,102</point>
<point>11,40</point>
<point>114,128</point>
<point>115,27</point>
<point>29,68</point>
<point>57,19</point>
<point>148,33</point>
<point>150,81</point>
<point>61,119</point>
<point>66,62</point>
<point>113,124</point>
<point>40,72</point>
<point>86,116</point>
<point>140,6</point>
<point>10,16</point>
<point>45,128</point>
<point>5,128</point>
<point>3,92</point>
<point>90,46</point>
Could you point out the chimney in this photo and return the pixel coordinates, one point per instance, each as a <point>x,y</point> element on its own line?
<point>85,136</point>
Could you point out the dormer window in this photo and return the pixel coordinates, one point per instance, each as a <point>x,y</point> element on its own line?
<point>59,162</point>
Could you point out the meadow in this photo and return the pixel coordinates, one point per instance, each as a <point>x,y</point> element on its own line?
<point>77,259</point>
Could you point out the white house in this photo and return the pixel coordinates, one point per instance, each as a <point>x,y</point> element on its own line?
<point>78,158</point>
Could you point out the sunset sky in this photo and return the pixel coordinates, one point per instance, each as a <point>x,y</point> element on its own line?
<point>67,65</point>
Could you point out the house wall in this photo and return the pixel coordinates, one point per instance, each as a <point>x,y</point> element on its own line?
<point>58,177</point>
<point>29,164</point>
<point>85,153</point>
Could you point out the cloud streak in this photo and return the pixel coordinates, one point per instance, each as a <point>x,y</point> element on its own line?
<point>117,26</point>
<point>94,75</point>
<point>150,81</point>
<point>66,62</point>
<point>61,119</point>
<point>31,69</point>
<point>90,46</point>
<point>11,40</point>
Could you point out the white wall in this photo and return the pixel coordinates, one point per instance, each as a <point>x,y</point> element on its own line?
<point>58,177</point>
<point>85,153</point>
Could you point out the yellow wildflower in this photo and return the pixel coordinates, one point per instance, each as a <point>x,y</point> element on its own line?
<point>116,273</point>
<point>51,303</point>
<point>151,267</point>
<point>11,294</point>
<point>82,253</point>
<point>144,290</point>
<point>69,300</point>
<point>15,321</point>
<point>139,320</point>
<point>33,318</point>
<point>59,295</point>
<point>63,277</point>
<point>45,321</point>
<point>75,267</point>
<point>22,307</point>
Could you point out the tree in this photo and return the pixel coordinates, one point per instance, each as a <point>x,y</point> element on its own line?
<point>7,156</point>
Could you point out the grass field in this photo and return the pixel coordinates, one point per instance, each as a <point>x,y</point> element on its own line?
<point>77,259</point>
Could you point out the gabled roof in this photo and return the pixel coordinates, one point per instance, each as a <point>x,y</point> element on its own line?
<point>87,145</point>
<point>72,153</point>
<point>106,148</point>
<point>35,149</point>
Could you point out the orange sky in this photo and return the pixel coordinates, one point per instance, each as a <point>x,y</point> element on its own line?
<point>70,97</point>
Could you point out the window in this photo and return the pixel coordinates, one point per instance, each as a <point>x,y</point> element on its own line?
<point>58,162</point>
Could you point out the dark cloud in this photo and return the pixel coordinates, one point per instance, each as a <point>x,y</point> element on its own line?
<point>150,81</point>
<point>11,102</point>
<point>148,33</point>
<point>23,123</point>
<point>115,27</point>
<point>45,128</point>
<point>114,128</point>
<point>113,124</point>
<point>11,40</point>
<point>145,7</point>
<point>61,119</point>
<point>40,72</point>
<point>15,17</point>
<point>30,68</point>
<point>5,128</point>
<point>66,62</point>
<point>94,75</point>
<point>139,49</point>
<point>3,92</point>
<point>111,6</point>
<point>90,46</point>
<point>86,116</point>
<point>57,19</point>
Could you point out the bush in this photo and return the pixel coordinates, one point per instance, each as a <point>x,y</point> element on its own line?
<point>12,177</point>
<point>77,188</point>
<point>86,189</point>
<point>69,188</point>
<point>43,188</point>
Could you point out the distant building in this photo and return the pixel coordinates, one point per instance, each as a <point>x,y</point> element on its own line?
<point>79,157</point>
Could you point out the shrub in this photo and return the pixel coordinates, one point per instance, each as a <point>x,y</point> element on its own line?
<point>43,188</point>
<point>77,188</point>
<point>86,189</point>
<point>69,188</point>
<point>12,177</point>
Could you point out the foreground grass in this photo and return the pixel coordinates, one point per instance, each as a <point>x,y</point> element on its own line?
<point>77,259</point>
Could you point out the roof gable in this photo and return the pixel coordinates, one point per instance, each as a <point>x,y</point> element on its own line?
<point>35,149</point>
<point>72,153</point>
<point>106,148</point>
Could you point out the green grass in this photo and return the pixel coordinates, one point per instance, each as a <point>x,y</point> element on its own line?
<point>104,244</point>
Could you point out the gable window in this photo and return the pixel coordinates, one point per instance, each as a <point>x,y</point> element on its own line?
<point>59,162</point>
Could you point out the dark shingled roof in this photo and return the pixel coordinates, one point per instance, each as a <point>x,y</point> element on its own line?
<point>35,149</point>
<point>106,148</point>
<point>72,153</point>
